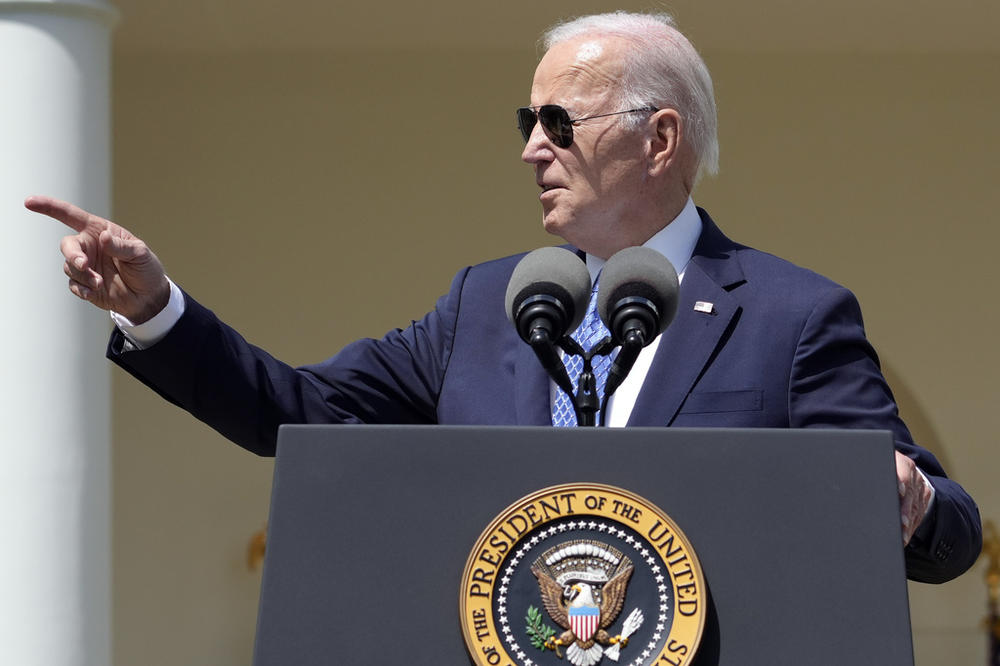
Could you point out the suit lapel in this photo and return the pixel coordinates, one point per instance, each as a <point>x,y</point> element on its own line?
<point>688,344</point>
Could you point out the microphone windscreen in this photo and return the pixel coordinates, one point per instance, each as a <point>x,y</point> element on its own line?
<point>639,272</point>
<point>551,271</point>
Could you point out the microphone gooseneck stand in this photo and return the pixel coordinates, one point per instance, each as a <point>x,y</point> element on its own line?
<point>586,402</point>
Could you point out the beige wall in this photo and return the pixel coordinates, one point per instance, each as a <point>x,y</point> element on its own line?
<point>314,198</point>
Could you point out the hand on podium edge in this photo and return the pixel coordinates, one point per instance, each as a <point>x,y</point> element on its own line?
<point>915,495</point>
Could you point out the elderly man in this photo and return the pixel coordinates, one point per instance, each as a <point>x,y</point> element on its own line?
<point>621,125</point>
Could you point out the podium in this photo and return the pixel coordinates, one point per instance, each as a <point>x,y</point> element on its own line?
<point>797,533</point>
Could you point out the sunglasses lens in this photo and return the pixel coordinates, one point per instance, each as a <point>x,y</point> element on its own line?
<point>556,123</point>
<point>526,121</point>
<point>554,119</point>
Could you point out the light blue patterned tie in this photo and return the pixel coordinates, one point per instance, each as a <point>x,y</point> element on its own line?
<point>590,332</point>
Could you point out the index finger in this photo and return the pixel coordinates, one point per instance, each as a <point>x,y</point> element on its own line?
<point>70,215</point>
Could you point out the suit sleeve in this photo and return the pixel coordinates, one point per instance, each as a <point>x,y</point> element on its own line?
<point>836,382</point>
<point>208,369</point>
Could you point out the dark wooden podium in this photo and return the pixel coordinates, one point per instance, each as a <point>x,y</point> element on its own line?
<point>797,532</point>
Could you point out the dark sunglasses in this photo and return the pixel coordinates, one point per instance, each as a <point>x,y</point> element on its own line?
<point>556,122</point>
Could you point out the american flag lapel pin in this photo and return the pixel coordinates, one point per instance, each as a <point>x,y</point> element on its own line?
<point>704,306</point>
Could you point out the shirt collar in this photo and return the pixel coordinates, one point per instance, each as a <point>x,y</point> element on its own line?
<point>676,241</point>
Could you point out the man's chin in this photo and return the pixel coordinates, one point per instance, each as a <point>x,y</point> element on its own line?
<point>562,231</point>
<point>553,225</point>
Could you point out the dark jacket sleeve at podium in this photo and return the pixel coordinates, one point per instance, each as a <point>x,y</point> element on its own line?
<point>779,347</point>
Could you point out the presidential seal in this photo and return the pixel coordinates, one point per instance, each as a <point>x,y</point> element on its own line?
<point>583,574</point>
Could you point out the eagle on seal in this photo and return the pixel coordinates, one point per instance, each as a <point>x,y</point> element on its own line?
<point>585,609</point>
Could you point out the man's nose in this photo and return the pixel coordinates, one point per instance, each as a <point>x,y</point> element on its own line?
<point>538,148</point>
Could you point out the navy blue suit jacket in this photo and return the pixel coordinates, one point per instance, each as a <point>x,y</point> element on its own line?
<point>783,347</point>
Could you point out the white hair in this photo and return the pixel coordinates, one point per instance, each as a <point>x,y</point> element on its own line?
<point>663,70</point>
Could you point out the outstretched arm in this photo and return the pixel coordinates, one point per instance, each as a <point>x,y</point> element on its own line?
<point>107,265</point>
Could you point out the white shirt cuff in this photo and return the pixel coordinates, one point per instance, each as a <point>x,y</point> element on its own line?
<point>930,503</point>
<point>148,333</point>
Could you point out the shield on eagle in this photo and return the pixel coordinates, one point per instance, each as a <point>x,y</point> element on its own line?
<point>584,620</point>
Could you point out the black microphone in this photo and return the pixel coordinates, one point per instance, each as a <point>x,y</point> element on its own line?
<point>637,300</point>
<point>547,297</point>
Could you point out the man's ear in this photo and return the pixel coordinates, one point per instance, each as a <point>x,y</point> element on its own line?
<point>663,148</point>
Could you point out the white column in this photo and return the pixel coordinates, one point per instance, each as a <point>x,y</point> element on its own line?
<point>55,546</point>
